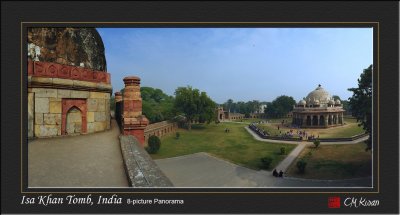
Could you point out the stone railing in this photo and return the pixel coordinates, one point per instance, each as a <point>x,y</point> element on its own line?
<point>339,139</point>
<point>160,129</point>
<point>265,135</point>
<point>141,170</point>
<point>55,70</point>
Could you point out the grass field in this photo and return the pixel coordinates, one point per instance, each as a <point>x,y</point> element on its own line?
<point>334,162</point>
<point>237,146</point>
<point>350,129</point>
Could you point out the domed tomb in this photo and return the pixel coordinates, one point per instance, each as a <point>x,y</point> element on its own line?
<point>69,46</point>
<point>69,88</point>
<point>319,94</point>
<point>318,110</point>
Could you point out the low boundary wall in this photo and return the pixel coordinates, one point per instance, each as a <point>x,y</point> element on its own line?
<point>159,129</point>
<point>140,168</point>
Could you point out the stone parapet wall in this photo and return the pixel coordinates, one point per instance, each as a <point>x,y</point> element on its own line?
<point>141,170</point>
<point>46,110</point>
<point>159,129</point>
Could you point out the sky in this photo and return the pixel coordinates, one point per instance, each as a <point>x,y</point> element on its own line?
<point>242,64</point>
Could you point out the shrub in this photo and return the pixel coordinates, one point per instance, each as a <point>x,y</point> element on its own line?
<point>283,150</point>
<point>154,144</point>
<point>316,143</point>
<point>266,162</point>
<point>301,166</point>
<point>177,135</point>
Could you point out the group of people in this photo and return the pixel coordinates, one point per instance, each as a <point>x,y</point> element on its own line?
<point>300,134</point>
<point>258,130</point>
<point>276,174</point>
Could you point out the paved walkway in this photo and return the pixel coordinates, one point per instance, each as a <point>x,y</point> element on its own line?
<point>92,160</point>
<point>204,170</point>
<point>284,165</point>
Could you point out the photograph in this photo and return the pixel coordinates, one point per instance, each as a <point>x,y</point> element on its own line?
<point>223,107</point>
<point>200,107</point>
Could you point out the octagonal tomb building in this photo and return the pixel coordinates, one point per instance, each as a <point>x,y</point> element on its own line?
<point>318,110</point>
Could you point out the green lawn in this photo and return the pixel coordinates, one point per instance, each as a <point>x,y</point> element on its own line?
<point>334,162</point>
<point>350,129</point>
<point>237,146</point>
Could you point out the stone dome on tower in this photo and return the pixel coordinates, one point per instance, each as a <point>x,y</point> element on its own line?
<point>319,94</point>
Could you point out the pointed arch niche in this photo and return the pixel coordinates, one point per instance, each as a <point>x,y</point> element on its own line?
<point>74,105</point>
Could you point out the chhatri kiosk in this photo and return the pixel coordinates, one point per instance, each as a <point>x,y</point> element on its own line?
<point>318,110</point>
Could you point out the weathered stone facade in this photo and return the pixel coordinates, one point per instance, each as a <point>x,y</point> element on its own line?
<point>67,46</point>
<point>51,109</point>
<point>65,98</point>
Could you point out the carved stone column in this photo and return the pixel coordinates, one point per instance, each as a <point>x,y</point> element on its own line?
<point>133,121</point>
<point>326,120</point>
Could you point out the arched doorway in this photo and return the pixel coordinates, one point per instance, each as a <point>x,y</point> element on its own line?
<point>330,120</point>
<point>74,121</point>
<point>74,116</point>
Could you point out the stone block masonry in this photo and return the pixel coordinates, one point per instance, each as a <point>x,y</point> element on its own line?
<point>45,111</point>
<point>159,129</point>
<point>68,86</point>
<point>133,122</point>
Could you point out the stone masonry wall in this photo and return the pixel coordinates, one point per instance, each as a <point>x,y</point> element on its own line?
<point>159,129</point>
<point>46,104</point>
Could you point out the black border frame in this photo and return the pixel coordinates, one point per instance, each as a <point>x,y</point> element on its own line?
<point>208,14</point>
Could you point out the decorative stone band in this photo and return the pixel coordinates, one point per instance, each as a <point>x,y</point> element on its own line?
<point>54,75</point>
<point>55,70</point>
<point>135,122</point>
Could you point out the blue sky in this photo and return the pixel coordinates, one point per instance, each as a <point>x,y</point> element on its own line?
<point>240,63</point>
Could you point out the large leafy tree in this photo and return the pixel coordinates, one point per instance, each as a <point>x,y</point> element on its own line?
<point>195,105</point>
<point>361,102</point>
<point>156,105</point>
<point>281,106</point>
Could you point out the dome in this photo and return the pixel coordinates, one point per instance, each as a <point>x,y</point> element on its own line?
<point>331,102</point>
<point>337,102</point>
<point>69,46</point>
<point>302,102</point>
<point>316,102</point>
<point>319,94</point>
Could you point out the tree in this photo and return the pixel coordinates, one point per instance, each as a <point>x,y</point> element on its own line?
<point>281,106</point>
<point>156,105</point>
<point>154,144</point>
<point>361,102</point>
<point>336,97</point>
<point>194,105</point>
<point>301,166</point>
<point>317,143</point>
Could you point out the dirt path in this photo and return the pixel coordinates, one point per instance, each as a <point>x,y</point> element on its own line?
<point>92,160</point>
